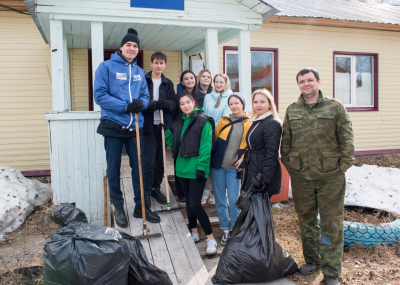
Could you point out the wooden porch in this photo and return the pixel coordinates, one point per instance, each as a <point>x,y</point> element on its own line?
<point>174,252</point>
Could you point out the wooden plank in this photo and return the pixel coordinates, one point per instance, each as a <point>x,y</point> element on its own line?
<point>135,224</point>
<point>162,258</point>
<point>54,157</point>
<point>146,247</point>
<point>100,173</point>
<point>84,152</point>
<point>77,115</point>
<point>93,183</point>
<point>186,240</point>
<point>77,157</point>
<point>57,65</point>
<point>180,260</point>
<point>62,162</point>
<point>70,162</point>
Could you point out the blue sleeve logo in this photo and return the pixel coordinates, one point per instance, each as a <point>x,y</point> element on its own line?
<point>159,4</point>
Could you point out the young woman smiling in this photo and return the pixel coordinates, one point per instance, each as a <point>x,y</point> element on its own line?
<point>190,137</point>
<point>216,103</point>
<point>205,85</point>
<point>263,139</point>
<point>225,174</point>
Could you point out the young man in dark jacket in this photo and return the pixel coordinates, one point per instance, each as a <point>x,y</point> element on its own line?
<point>162,97</point>
<point>120,89</point>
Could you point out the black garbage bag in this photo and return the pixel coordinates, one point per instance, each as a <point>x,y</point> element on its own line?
<point>252,254</point>
<point>141,271</point>
<point>84,254</point>
<point>67,213</point>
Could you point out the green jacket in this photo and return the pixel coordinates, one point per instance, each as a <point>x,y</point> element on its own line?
<point>317,141</point>
<point>187,167</point>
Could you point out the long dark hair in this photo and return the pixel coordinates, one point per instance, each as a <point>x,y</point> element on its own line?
<point>195,88</point>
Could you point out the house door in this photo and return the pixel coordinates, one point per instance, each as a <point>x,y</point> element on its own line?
<point>107,56</point>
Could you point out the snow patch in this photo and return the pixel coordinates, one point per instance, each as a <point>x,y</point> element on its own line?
<point>373,186</point>
<point>19,196</point>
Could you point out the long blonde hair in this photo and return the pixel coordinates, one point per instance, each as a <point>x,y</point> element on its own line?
<point>227,86</point>
<point>201,74</point>
<point>268,95</point>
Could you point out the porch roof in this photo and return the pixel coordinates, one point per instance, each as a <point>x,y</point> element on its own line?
<point>158,29</point>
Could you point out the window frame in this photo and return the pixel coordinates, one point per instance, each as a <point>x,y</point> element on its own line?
<point>375,80</point>
<point>275,52</point>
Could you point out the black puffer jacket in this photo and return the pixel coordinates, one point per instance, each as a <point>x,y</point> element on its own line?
<point>262,156</point>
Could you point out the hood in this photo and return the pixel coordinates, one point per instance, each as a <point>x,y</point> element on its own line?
<point>215,94</point>
<point>262,117</point>
<point>183,116</point>
<point>117,57</point>
<point>246,115</point>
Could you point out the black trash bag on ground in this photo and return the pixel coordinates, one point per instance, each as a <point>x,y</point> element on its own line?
<point>84,254</point>
<point>141,271</point>
<point>252,254</point>
<point>67,213</point>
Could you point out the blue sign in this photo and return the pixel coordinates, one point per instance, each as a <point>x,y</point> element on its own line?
<point>159,4</point>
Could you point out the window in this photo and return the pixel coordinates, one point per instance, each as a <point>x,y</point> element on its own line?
<point>264,69</point>
<point>356,80</point>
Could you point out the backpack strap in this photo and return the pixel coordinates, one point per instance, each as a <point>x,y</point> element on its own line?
<point>234,122</point>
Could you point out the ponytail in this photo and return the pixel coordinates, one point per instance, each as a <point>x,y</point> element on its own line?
<point>227,86</point>
<point>218,101</point>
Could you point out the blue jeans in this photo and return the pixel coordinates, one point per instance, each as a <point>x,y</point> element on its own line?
<point>113,146</point>
<point>224,182</point>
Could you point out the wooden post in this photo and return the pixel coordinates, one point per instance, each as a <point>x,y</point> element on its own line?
<point>211,50</point>
<point>58,65</point>
<point>245,67</point>
<point>97,51</point>
<point>185,61</point>
<point>67,82</point>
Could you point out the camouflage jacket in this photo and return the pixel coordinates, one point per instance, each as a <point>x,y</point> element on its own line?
<point>317,141</point>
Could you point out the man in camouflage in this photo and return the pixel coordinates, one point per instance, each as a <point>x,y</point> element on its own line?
<point>317,148</point>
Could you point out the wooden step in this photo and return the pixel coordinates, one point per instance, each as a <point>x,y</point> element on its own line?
<point>217,232</point>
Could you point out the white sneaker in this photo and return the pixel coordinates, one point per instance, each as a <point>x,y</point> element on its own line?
<point>211,247</point>
<point>211,200</point>
<point>225,236</point>
<point>206,195</point>
<point>195,237</point>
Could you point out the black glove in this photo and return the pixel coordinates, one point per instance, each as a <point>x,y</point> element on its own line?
<point>161,105</point>
<point>135,106</point>
<point>200,174</point>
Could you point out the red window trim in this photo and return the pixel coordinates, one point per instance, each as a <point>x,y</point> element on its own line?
<point>376,79</point>
<point>276,54</point>
<point>90,78</point>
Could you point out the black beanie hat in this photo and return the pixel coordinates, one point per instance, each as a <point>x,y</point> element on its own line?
<point>131,36</point>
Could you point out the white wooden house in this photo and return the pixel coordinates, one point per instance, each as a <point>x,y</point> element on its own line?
<point>77,155</point>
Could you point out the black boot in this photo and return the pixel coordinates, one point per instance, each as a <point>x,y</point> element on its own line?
<point>156,194</point>
<point>151,217</point>
<point>120,218</point>
<point>147,194</point>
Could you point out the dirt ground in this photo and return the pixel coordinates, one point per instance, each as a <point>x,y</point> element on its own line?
<point>24,247</point>
<point>376,265</point>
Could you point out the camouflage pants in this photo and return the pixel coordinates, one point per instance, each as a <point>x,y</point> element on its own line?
<point>321,245</point>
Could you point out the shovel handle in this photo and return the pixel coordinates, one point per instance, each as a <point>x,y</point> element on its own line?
<point>165,161</point>
<point>140,174</point>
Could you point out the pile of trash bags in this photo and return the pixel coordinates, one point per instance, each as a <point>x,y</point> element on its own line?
<point>252,254</point>
<point>83,254</point>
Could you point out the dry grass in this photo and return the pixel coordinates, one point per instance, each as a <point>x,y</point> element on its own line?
<point>376,265</point>
<point>387,160</point>
<point>24,246</point>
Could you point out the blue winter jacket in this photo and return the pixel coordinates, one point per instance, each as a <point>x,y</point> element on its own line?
<point>223,108</point>
<point>117,82</point>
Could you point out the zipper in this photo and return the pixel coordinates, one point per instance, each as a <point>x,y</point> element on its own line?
<point>130,95</point>
<point>252,132</point>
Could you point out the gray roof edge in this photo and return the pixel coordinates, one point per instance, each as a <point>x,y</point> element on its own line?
<point>271,12</point>
<point>30,4</point>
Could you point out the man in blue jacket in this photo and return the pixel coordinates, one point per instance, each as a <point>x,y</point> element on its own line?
<point>120,89</point>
